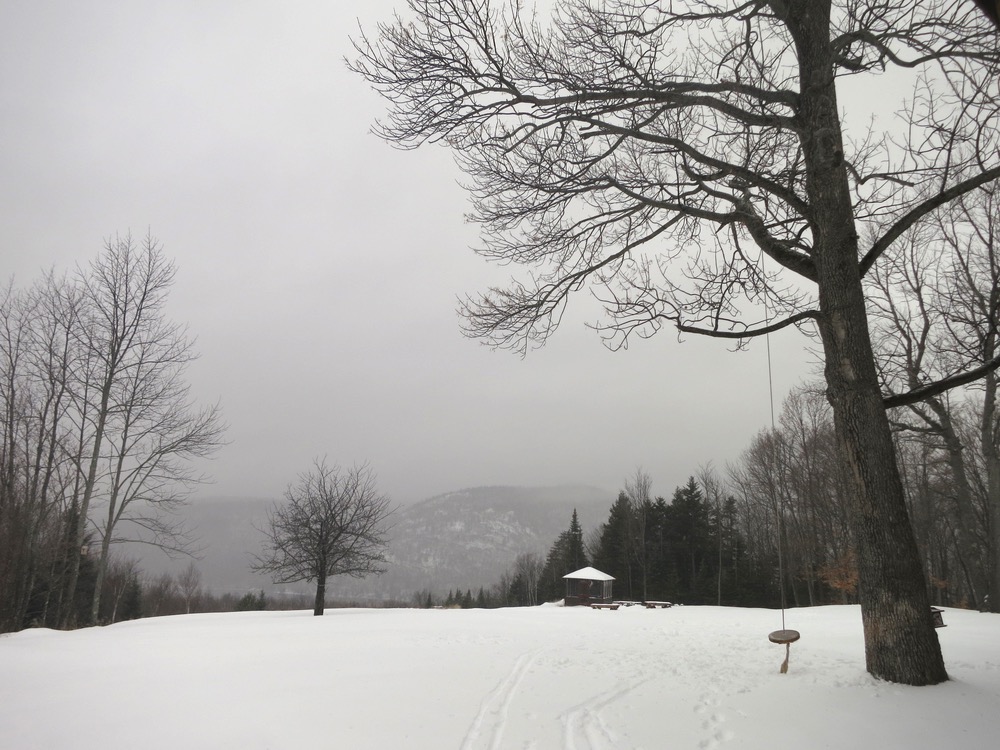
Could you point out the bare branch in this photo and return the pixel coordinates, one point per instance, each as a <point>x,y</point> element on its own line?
<point>921,210</point>
<point>938,387</point>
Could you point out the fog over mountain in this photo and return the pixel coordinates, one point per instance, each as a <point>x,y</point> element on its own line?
<point>459,540</point>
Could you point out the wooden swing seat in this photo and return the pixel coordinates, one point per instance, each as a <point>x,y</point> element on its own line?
<point>783,636</point>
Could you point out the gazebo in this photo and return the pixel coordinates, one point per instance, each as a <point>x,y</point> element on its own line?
<point>587,586</point>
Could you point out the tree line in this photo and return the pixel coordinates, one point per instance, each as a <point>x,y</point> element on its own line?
<point>774,527</point>
<point>98,431</point>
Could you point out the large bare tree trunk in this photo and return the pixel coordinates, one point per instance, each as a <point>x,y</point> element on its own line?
<point>320,604</point>
<point>900,642</point>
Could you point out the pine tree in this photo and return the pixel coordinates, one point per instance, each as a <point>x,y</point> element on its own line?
<point>688,527</point>
<point>131,606</point>
<point>576,556</point>
<point>614,551</point>
<point>663,582</point>
<point>566,555</point>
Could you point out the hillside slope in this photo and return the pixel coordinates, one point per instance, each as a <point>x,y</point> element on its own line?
<point>462,539</point>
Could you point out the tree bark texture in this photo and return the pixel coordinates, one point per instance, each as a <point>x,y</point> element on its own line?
<point>320,603</point>
<point>900,642</point>
<point>991,458</point>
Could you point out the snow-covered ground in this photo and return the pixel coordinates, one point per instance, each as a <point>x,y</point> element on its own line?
<point>544,677</point>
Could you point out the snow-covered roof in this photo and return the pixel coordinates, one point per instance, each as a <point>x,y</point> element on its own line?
<point>589,574</point>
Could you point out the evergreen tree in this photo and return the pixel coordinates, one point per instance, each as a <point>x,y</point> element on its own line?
<point>663,581</point>
<point>614,550</point>
<point>566,555</point>
<point>576,556</point>
<point>689,535</point>
<point>252,602</point>
<point>131,606</point>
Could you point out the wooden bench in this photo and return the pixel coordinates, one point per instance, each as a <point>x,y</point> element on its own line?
<point>604,606</point>
<point>654,605</point>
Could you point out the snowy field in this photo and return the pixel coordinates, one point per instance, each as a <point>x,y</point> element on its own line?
<point>544,677</point>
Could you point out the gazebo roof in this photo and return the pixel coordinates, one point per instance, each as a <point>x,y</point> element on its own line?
<point>589,574</point>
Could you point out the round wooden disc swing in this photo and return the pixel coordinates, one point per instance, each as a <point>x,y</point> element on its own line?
<point>784,636</point>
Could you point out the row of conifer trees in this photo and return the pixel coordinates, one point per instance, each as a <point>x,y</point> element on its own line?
<point>774,526</point>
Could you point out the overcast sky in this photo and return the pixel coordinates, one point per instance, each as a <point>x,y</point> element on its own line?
<point>319,267</point>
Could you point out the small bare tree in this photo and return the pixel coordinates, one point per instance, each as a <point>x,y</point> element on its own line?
<point>332,523</point>
<point>639,489</point>
<point>121,574</point>
<point>160,596</point>
<point>527,574</point>
<point>189,583</point>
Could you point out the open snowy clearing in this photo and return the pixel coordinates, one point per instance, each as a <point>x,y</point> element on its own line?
<point>543,677</point>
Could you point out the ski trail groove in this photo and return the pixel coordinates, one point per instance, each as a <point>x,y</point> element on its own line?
<point>585,721</point>
<point>495,708</point>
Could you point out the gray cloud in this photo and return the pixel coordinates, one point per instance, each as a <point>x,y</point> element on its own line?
<point>318,267</point>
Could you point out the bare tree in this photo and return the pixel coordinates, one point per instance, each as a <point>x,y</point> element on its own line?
<point>639,489</point>
<point>159,596</point>
<point>660,152</point>
<point>189,584</point>
<point>795,498</point>
<point>971,311</point>
<point>711,485</point>
<point>332,523</point>
<point>527,572</point>
<point>15,400</point>
<point>122,573</point>
<point>36,354</point>
<point>95,411</point>
<point>907,307</point>
<point>122,300</point>
<point>936,316</point>
<point>136,417</point>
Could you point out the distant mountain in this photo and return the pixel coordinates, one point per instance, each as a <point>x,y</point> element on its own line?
<point>460,540</point>
<point>467,539</point>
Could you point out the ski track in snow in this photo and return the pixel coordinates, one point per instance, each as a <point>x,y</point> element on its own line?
<point>495,710</point>
<point>584,726</point>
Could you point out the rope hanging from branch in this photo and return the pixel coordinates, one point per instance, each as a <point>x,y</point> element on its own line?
<point>784,636</point>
